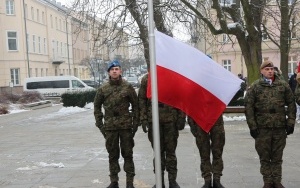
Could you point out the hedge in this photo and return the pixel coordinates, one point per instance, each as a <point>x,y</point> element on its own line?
<point>79,99</point>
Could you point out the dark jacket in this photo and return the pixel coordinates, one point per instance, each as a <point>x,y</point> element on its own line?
<point>265,104</point>
<point>167,114</point>
<point>116,97</point>
<point>293,82</point>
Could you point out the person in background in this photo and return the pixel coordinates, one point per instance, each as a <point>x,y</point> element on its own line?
<point>211,142</point>
<point>293,85</point>
<point>120,124</point>
<point>269,122</point>
<point>170,121</point>
<point>278,73</point>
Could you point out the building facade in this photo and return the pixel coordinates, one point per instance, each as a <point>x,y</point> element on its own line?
<point>41,38</point>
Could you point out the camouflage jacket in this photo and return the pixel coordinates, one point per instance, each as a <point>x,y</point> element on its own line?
<point>167,114</point>
<point>115,97</point>
<point>265,104</point>
<point>194,127</point>
<point>297,93</point>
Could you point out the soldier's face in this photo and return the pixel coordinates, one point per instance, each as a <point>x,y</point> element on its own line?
<point>115,73</point>
<point>268,72</point>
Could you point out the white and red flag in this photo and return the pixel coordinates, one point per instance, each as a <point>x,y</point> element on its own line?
<point>189,80</point>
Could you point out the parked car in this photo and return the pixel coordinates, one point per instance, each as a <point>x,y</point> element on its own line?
<point>92,83</point>
<point>133,80</point>
<point>55,86</point>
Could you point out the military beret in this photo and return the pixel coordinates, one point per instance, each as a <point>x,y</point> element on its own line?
<point>266,63</point>
<point>114,63</point>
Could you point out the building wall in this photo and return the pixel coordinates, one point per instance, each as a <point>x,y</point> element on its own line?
<point>52,48</point>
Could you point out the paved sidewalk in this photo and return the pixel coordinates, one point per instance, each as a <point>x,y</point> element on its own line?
<point>44,149</point>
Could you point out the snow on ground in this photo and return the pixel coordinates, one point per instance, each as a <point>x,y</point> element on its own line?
<point>17,108</point>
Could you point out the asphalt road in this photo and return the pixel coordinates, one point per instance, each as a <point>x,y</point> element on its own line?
<point>47,149</point>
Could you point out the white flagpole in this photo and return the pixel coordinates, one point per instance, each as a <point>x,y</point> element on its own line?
<point>155,118</point>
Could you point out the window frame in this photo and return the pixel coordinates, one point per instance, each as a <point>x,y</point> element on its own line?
<point>10,7</point>
<point>12,38</point>
<point>226,63</point>
<point>15,78</point>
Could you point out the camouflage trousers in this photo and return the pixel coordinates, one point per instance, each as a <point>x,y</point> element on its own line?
<point>212,142</point>
<point>269,145</point>
<point>116,140</point>
<point>168,143</point>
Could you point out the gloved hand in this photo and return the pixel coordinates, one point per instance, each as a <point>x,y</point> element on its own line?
<point>134,129</point>
<point>254,133</point>
<point>101,128</point>
<point>180,124</point>
<point>103,132</point>
<point>243,86</point>
<point>145,126</point>
<point>289,129</point>
<point>194,129</point>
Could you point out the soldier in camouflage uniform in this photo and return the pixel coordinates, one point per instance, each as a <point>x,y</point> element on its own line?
<point>115,97</point>
<point>269,122</point>
<point>170,121</point>
<point>211,142</point>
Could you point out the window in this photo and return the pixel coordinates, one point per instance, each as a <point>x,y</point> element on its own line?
<point>45,46</point>
<point>33,43</point>
<point>59,24</point>
<point>12,40</point>
<point>56,23</point>
<point>36,72</point>
<point>37,15</point>
<point>15,76</point>
<point>51,21</point>
<point>290,2</point>
<point>32,13</point>
<point>57,47</point>
<point>226,3</point>
<point>227,64</point>
<point>43,17</point>
<point>10,7</point>
<point>46,72</point>
<point>293,34</point>
<point>292,64</point>
<point>53,48</point>
<point>225,38</point>
<point>61,48</point>
<point>42,72</point>
<point>39,44</point>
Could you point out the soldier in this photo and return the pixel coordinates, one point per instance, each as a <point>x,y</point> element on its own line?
<point>211,142</point>
<point>170,121</point>
<point>115,97</point>
<point>269,122</point>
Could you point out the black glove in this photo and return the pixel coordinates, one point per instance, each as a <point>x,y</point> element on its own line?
<point>103,133</point>
<point>254,133</point>
<point>101,128</point>
<point>134,129</point>
<point>145,126</point>
<point>243,86</point>
<point>180,124</point>
<point>194,130</point>
<point>289,129</point>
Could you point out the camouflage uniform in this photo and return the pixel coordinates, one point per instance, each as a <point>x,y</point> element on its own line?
<point>211,142</point>
<point>169,120</point>
<point>115,97</point>
<point>265,112</point>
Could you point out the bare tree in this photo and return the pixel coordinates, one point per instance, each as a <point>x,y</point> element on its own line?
<point>243,22</point>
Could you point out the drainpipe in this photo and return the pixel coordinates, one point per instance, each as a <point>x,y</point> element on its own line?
<point>26,37</point>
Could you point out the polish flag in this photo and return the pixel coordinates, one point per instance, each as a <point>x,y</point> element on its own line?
<point>189,80</point>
